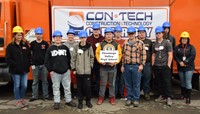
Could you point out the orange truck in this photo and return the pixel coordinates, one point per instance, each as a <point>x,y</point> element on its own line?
<point>81,14</point>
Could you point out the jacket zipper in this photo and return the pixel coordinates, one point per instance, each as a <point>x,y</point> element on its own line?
<point>21,53</point>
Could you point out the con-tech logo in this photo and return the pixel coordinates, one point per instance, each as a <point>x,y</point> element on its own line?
<point>76,21</point>
<point>124,18</point>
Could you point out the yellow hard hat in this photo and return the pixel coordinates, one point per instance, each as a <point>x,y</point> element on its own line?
<point>185,34</point>
<point>17,29</point>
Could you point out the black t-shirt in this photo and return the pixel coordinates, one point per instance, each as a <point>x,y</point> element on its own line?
<point>148,48</point>
<point>38,52</point>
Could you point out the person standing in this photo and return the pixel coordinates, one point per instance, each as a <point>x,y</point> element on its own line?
<point>108,69</point>
<point>133,60</point>
<point>57,61</point>
<point>161,62</point>
<point>119,84</point>
<point>18,58</point>
<point>82,63</point>
<point>94,40</point>
<point>166,25</point>
<point>167,35</point>
<point>39,71</point>
<point>146,72</point>
<point>71,43</point>
<point>184,55</point>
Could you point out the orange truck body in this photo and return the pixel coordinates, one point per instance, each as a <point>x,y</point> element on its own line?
<point>183,16</point>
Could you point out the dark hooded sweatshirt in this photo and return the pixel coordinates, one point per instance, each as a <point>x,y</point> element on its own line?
<point>57,59</point>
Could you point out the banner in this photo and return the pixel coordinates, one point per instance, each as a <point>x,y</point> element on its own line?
<point>79,18</point>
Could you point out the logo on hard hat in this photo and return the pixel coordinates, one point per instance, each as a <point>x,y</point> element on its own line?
<point>76,21</point>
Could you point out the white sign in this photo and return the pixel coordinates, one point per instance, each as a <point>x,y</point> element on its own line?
<point>108,56</point>
<point>79,18</point>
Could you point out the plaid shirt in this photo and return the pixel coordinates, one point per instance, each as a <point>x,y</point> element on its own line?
<point>134,54</point>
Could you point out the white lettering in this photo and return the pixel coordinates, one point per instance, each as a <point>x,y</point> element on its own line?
<point>59,52</point>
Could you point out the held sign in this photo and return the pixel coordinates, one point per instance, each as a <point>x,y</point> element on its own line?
<point>108,56</point>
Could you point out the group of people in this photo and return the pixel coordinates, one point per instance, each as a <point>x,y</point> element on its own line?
<point>78,64</point>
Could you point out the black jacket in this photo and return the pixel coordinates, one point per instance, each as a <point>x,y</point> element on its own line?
<point>38,52</point>
<point>18,58</point>
<point>190,55</point>
<point>57,59</point>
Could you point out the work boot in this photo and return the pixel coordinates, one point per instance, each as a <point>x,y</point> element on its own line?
<point>100,100</point>
<point>188,99</point>
<point>169,101</point>
<point>128,102</point>
<point>135,103</point>
<point>112,100</point>
<point>19,104</point>
<point>147,96</point>
<point>80,104</point>
<point>24,102</point>
<point>183,93</point>
<point>56,106</point>
<point>88,104</point>
<point>160,99</point>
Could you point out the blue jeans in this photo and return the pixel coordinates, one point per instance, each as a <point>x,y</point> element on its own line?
<point>132,80</point>
<point>20,85</point>
<point>146,78</point>
<point>186,78</point>
<point>40,72</point>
